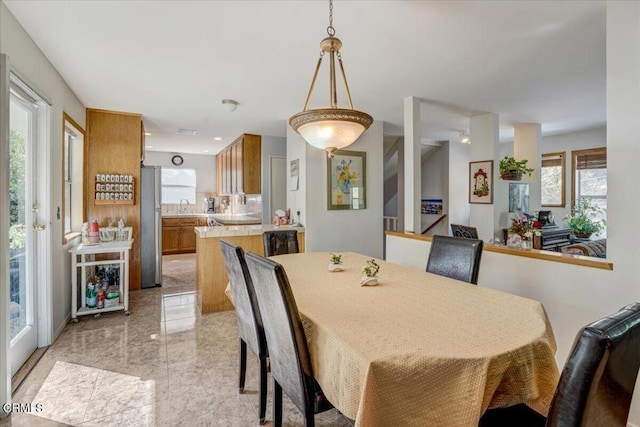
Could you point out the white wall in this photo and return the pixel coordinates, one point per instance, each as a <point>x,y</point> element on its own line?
<point>271,146</point>
<point>458,182</point>
<point>31,65</point>
<point>297,199</point>
<point>435,186</point>
<point>344,230</point>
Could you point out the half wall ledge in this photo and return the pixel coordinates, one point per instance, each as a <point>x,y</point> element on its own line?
<point>580,260</point>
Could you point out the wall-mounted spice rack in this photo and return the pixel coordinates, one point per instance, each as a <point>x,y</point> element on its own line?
<point>114,189</point>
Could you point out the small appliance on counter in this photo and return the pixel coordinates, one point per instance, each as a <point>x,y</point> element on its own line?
<point>209,205</point>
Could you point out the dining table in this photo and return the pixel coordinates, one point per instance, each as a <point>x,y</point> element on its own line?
<point>419,349</point>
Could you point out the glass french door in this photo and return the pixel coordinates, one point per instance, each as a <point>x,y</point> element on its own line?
<point>22,226</point>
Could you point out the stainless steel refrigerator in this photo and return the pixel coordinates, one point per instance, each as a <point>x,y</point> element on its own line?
<point>151,226</point>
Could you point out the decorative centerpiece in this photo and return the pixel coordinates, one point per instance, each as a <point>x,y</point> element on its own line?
<point>512,169</point>
<point>586,218</point>
<point>523,230</point>
<point>370,273</point>
<point>335,262</point>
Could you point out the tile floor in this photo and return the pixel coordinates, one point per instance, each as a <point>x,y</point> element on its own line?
<point>165,365</point>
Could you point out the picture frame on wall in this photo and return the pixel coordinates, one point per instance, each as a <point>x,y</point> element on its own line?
<point>481,182</point>
<point>518,197</point>
<point>347,180</point>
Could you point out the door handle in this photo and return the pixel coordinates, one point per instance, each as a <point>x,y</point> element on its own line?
<point>39,227</point>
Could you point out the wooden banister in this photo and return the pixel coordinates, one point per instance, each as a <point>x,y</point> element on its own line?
<point>436,222</point>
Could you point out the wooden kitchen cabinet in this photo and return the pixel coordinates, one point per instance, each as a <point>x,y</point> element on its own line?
<point>240,166</point>
<point>178,236</point>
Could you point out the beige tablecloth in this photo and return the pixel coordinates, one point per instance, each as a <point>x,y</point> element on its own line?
<point>420,349</point>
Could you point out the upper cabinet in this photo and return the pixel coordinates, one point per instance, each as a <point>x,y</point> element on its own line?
<point>239,166</point>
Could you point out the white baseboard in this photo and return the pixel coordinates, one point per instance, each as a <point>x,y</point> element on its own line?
<point>60,328</point>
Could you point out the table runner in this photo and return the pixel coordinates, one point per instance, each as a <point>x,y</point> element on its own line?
<point>420,349</point>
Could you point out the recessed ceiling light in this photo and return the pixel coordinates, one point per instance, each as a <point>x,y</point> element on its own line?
<point>187,132</point>
<point>205,151</point>
<point>149,146</point>
<point>147,134</point>
<point>217,138</point>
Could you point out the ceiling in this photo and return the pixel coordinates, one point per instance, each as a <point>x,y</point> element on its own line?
<point>174,61</point>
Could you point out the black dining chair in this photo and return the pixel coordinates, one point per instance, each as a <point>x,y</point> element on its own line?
<point>455,257</point>
<point>288,352</point>
<point>465,231</point>
<point>597,383</point>
<point>250,327</point>
<point>280,242</point>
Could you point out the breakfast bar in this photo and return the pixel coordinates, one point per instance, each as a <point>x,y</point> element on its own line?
<point>211,274</point>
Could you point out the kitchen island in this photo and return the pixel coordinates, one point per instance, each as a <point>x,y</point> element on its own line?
<point>211,274</point>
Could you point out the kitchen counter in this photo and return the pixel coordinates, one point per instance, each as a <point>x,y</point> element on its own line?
<point>211,273</point>
<point>241,230</point>
<point>182,215</point>
<point>225,219</point>
<point>237,219</point>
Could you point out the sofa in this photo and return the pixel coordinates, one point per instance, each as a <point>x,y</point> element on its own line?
<point>594,248</point>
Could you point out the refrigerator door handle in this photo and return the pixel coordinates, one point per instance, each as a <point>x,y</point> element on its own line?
<point>158,248</point>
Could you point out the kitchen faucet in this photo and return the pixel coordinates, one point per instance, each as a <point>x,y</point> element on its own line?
<point>180,211</point>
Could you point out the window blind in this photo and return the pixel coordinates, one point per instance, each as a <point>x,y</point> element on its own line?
<point>594,159</point>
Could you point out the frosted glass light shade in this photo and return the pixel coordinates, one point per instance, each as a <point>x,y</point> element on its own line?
<point>326,133</point>
<point>332,128</point>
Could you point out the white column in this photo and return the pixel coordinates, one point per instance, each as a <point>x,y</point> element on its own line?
<point>484,146</point>
<point>412,165</point>
<point>526,140</point>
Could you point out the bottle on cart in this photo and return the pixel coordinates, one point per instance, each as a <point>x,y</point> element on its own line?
<point>85,232</point>
<point>100,299</point>
<point>90,300</point>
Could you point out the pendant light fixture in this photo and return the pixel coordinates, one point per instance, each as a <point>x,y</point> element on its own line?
<point>330,128</point>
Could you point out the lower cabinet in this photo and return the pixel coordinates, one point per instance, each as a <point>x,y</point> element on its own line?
<point>178,236</point>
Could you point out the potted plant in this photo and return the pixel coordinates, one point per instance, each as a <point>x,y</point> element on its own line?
<point>583,219</point>
<point>512,169</point>
<point>370,273</point>
<point>335,262</point>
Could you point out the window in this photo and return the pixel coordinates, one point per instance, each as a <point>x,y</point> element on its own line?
<point>72,177</point>
<point>589,174</point>
<point>178,184</point>
<point>552,180</point>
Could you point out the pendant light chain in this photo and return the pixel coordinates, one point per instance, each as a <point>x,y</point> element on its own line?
<point>330,30</point>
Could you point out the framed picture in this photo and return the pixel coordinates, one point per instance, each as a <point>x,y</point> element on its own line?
<point>294,175</point>
<point>347,180</point>
<point>431,207</point>
<point>518,197</point>
<point>481,182</point>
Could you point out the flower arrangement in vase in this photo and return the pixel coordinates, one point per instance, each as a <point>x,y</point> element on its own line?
<point>370,273</point>
<point>335,262</point>
<point>525,228</point>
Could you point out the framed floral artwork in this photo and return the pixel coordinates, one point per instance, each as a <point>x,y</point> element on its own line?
<point>481,182</point>
<point>347,180</point>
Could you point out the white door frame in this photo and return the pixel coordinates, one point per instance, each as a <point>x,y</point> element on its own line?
<point>43,279</point>
<point>5,363</point>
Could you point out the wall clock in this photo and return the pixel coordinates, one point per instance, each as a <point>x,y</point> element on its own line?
<point>177,160</point>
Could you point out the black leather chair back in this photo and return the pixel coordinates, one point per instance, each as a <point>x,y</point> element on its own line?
<point>597,383</point>
<point>455,257</point>
<point>250,327</point>
<point>288,351</point>
<point>280,242</point>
